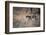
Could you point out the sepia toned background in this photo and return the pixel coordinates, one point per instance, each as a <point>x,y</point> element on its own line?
<point>26,17</point>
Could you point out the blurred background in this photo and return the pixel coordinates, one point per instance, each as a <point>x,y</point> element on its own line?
<point>26,17</point>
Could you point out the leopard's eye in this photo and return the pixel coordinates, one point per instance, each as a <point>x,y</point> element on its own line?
<point>28,17</point>
<point>33,16</point>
